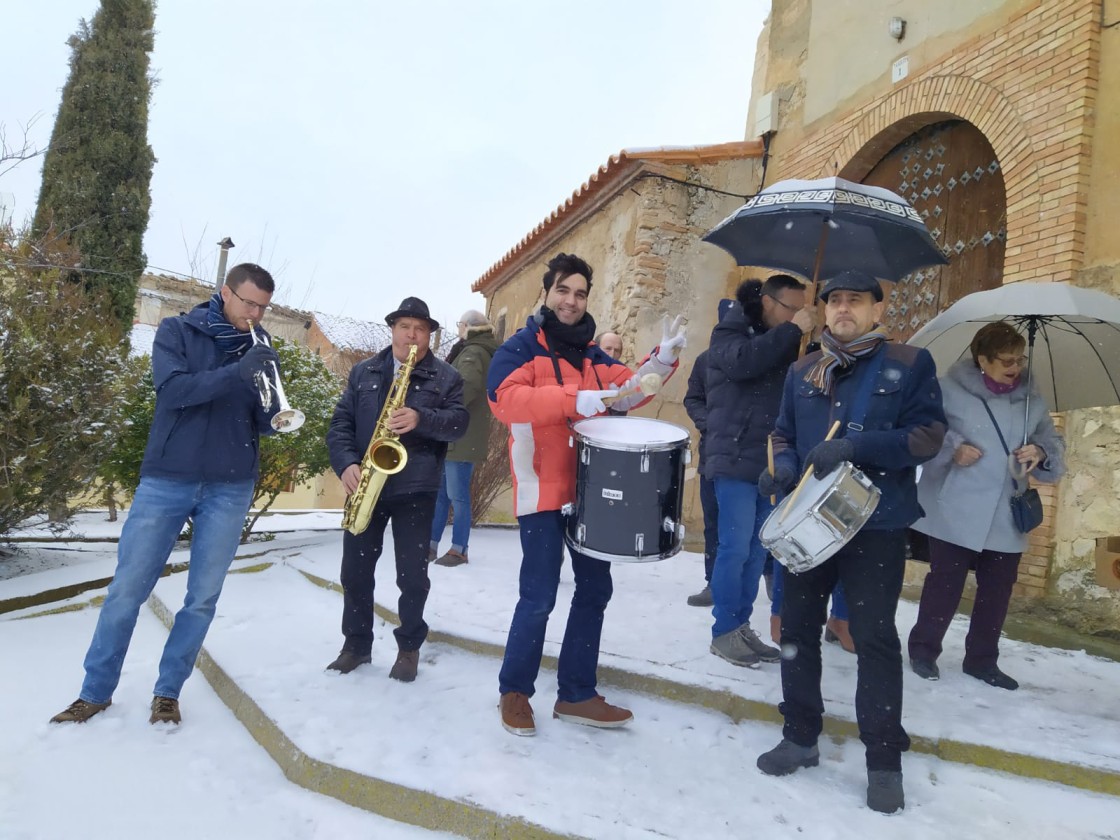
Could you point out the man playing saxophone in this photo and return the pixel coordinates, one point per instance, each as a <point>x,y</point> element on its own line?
<point>432,415</point>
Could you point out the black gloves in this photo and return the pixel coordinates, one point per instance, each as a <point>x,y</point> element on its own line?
<point>255,360</point>
<point>827,456</point>
<point>778,484</point>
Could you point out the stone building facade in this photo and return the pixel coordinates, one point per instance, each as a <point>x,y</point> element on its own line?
<point>1034,80</point>
<point>995,118</point>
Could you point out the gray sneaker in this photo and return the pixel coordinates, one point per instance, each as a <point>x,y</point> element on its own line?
<point>884,791</point>
<point>764,652</point>
<point>788,757</point>
<point>732,647</point>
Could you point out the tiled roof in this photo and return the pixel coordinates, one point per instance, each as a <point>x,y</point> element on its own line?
<point>616,167</point>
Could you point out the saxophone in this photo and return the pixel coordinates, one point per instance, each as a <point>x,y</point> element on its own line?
<point>385,456</point>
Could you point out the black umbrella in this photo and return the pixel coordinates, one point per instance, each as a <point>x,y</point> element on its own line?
<point>820,228</point>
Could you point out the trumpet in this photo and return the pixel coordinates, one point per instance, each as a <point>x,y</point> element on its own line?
<point>286,419</point>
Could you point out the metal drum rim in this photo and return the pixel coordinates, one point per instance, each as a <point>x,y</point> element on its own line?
<point>618,558</point>
<point>620,446</point>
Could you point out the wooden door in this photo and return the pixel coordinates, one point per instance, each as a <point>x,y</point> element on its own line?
<point>948,171</point>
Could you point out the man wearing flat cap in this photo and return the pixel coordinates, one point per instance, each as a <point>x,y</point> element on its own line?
<point>888,402</point>
<point>433,415</point>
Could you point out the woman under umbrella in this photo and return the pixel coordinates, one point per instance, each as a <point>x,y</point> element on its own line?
<point>966,492</point>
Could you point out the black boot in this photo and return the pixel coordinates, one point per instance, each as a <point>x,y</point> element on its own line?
<point>925,668</point>
<point>788,757</point>
<point>884,791</point>
<point>992,675</point>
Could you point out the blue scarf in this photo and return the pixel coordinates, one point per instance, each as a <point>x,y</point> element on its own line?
<point>226,335</point>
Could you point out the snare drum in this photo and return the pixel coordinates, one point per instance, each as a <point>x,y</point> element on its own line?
<point>629,489</point>
<point>826,514</point>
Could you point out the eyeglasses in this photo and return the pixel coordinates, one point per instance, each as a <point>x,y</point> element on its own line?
<point>260,307</point>
<point>784,304</point>
<point>1018,361</point>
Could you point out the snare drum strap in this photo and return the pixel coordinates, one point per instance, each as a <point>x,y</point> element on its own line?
<point>862,397</point>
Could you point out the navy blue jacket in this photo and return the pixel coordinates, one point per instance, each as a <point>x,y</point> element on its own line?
<point>747,365</point>
<point>903,427</point>
<point>435,390</point>
<point>696,401</point>
<point>207,422</point>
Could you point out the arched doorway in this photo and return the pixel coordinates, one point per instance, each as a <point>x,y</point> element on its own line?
<point>949,172</point>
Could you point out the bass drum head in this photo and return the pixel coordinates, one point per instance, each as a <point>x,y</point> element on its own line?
<point>631,434</point>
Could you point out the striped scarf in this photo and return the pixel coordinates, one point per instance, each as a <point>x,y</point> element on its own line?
<point>225,334</point>
<point>836,354</point>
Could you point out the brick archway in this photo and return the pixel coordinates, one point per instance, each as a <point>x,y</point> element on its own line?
<point>940,98</point>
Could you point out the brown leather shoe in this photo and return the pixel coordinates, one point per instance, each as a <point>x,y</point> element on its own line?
<point>836,631</point>
<point>776,629</point>
<point>452,558</point>
<point>404,669</point>
<point>165,710</point>
<point>80,711</point>
<point>347,661</point>
<point>517,714</point>
<point>592,712</point>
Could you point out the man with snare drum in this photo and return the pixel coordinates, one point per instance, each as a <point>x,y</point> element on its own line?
<point>546,376</point>
<point>894,389</point>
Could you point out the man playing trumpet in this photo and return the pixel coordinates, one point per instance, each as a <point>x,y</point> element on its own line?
<point>201,463</point>
<point>432,416</point>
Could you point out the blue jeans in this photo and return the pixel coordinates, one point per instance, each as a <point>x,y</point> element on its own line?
<point>839,607</point>
<point>454,493</point>
<point>740,556</point>
<point>159,511</point>
<point>542,545</point>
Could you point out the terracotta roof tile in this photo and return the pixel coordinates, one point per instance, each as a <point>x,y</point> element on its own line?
<point>614,169</point>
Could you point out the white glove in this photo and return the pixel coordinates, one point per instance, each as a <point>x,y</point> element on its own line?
<point>590,403</point>
<point>672,340</point>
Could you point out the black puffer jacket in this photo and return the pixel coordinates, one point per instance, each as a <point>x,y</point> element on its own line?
<point>747,366</point>
<point>435,390</point>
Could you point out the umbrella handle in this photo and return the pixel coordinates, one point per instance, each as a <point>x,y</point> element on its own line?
<point>813,284</point>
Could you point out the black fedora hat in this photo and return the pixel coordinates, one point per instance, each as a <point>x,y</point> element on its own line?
<point>412,307</point>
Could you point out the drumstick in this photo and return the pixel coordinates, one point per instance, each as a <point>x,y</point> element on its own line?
<point>770,462</point>
<point>805,478</point>
<point>649,385</point>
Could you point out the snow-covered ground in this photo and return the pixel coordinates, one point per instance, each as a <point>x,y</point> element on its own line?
<point>680,770</point>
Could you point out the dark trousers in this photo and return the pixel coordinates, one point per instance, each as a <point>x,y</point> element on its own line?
<point>871,568</point>
<point>542,546</point>
<point>411,515</point>
<point>710,507</point>
<point>996,573</point>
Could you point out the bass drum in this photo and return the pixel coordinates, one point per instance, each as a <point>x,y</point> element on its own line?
<point>629,489</point>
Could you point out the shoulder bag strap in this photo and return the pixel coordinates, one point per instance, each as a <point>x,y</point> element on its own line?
<point>1002,440</point>
<point>863,394</point>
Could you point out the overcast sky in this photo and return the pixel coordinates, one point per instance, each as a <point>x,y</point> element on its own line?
<point>364,151</point>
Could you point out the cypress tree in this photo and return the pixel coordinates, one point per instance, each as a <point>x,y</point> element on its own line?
<point>94,199</point>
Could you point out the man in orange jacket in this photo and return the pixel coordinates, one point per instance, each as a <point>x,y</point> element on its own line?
<point>544,377</point>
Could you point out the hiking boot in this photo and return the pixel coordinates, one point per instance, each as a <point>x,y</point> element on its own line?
<point>517,714</point>
<point>788,757</point>
<point>733,647</point>
<point>703,598</point>
<point>348,660</point>
<point>80,711</point>
<point>992,675</point>
<point>165,710</point>
<point>452,558</point>
<point>431,554</point>
<point>836,631</point>
<point>759,648</point>
<point>594,711</point>
<point>884,791</point>
<point>925,668</point>
<point>404,669</point>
